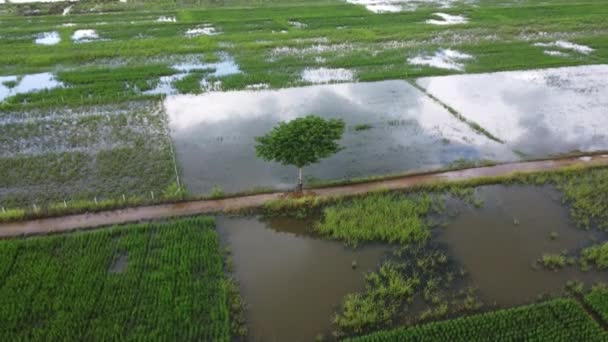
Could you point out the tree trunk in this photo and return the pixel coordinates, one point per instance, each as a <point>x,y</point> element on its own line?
<point>300,186</point>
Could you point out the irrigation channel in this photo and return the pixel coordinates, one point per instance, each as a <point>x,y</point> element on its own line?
<point>187,208</point>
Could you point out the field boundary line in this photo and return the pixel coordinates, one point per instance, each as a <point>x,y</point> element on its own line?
<point>472,124</point>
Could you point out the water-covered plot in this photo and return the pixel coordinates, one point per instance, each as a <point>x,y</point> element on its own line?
<point>538,112</point>
<point>292,289</point>
<point>66,154</point>
<point>443,59</point>
<point>214,133</point>
<point>48,38</point>
<point>13,85</point>
<point>500,243</point>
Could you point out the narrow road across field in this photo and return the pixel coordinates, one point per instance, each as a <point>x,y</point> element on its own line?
<point>111,217</point>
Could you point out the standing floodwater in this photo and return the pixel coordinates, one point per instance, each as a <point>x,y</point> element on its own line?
<point>391,127</point>
<point>499,243</point>
<point>292,282</point>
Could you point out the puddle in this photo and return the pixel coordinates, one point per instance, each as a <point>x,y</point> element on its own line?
<point>538,112</point>
<point>297,24</point>
<point>562,44</point>
<point>443,59</point>
<point>225,67</point>
<point>325,75</point>
<point>85,36</point>
<point>13,85</point>
<point>163,19</point>
<point>447,19</point>
<point>392,6</point>
<point>214,133</point>
<point>48,38</point>
<point>555,53</point>
<point>204,30</point>
<point>498,252</point>
<point>119,265</point>
<point>292,283</point>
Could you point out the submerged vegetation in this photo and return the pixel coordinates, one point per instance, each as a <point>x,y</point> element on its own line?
<point>160,280</point>
<point>595,255</point>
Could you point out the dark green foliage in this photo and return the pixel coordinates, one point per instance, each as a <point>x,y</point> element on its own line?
<point>155,281</point>
<point>597,298</point>
<point>596,255</point>
<point>301,142</point>
<point>557,320</point>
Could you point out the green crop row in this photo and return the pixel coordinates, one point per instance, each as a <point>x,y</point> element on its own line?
<point>597,298</point>
<point>154,281</point>
<point>556,320</point>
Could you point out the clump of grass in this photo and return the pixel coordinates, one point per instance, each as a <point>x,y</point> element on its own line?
<point>362,127</point>
<point>175,191</point>
<point>597,255</point>
<point>553,235</point>
<point>216,192</point>
<point>553,261</point>
<point>379,217</point>
<point>385,290</point>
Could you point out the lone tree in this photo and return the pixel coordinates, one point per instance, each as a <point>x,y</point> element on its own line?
<point>301,142</point>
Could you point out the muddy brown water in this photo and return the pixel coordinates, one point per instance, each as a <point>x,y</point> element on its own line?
<point>499,243</point>
<point>292,282</point>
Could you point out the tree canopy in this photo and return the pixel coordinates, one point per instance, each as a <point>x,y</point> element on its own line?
<point>302,141</point>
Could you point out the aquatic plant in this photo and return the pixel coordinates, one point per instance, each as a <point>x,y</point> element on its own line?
<point>596,255</point>
<point>553,261</point>
<point>362,127</point>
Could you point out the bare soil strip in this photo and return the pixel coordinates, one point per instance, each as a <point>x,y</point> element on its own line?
<point>153,212</point>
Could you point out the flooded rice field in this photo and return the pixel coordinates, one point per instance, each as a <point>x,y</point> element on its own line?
<point>499,243</point>
<point>294,281</point>
<point>536,112</point>
<point>391,127</point>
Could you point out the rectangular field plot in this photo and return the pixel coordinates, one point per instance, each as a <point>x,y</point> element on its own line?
<point>391,127</point>
<point>538,112</point>
<point>155,281</point>
<point>72,154</point>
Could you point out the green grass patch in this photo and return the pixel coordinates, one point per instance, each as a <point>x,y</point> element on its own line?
<point>387,217</point>
<point>160,281</point>
<point>595,255</point>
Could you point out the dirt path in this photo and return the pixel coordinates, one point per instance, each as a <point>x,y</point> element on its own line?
<point>86,221</point>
